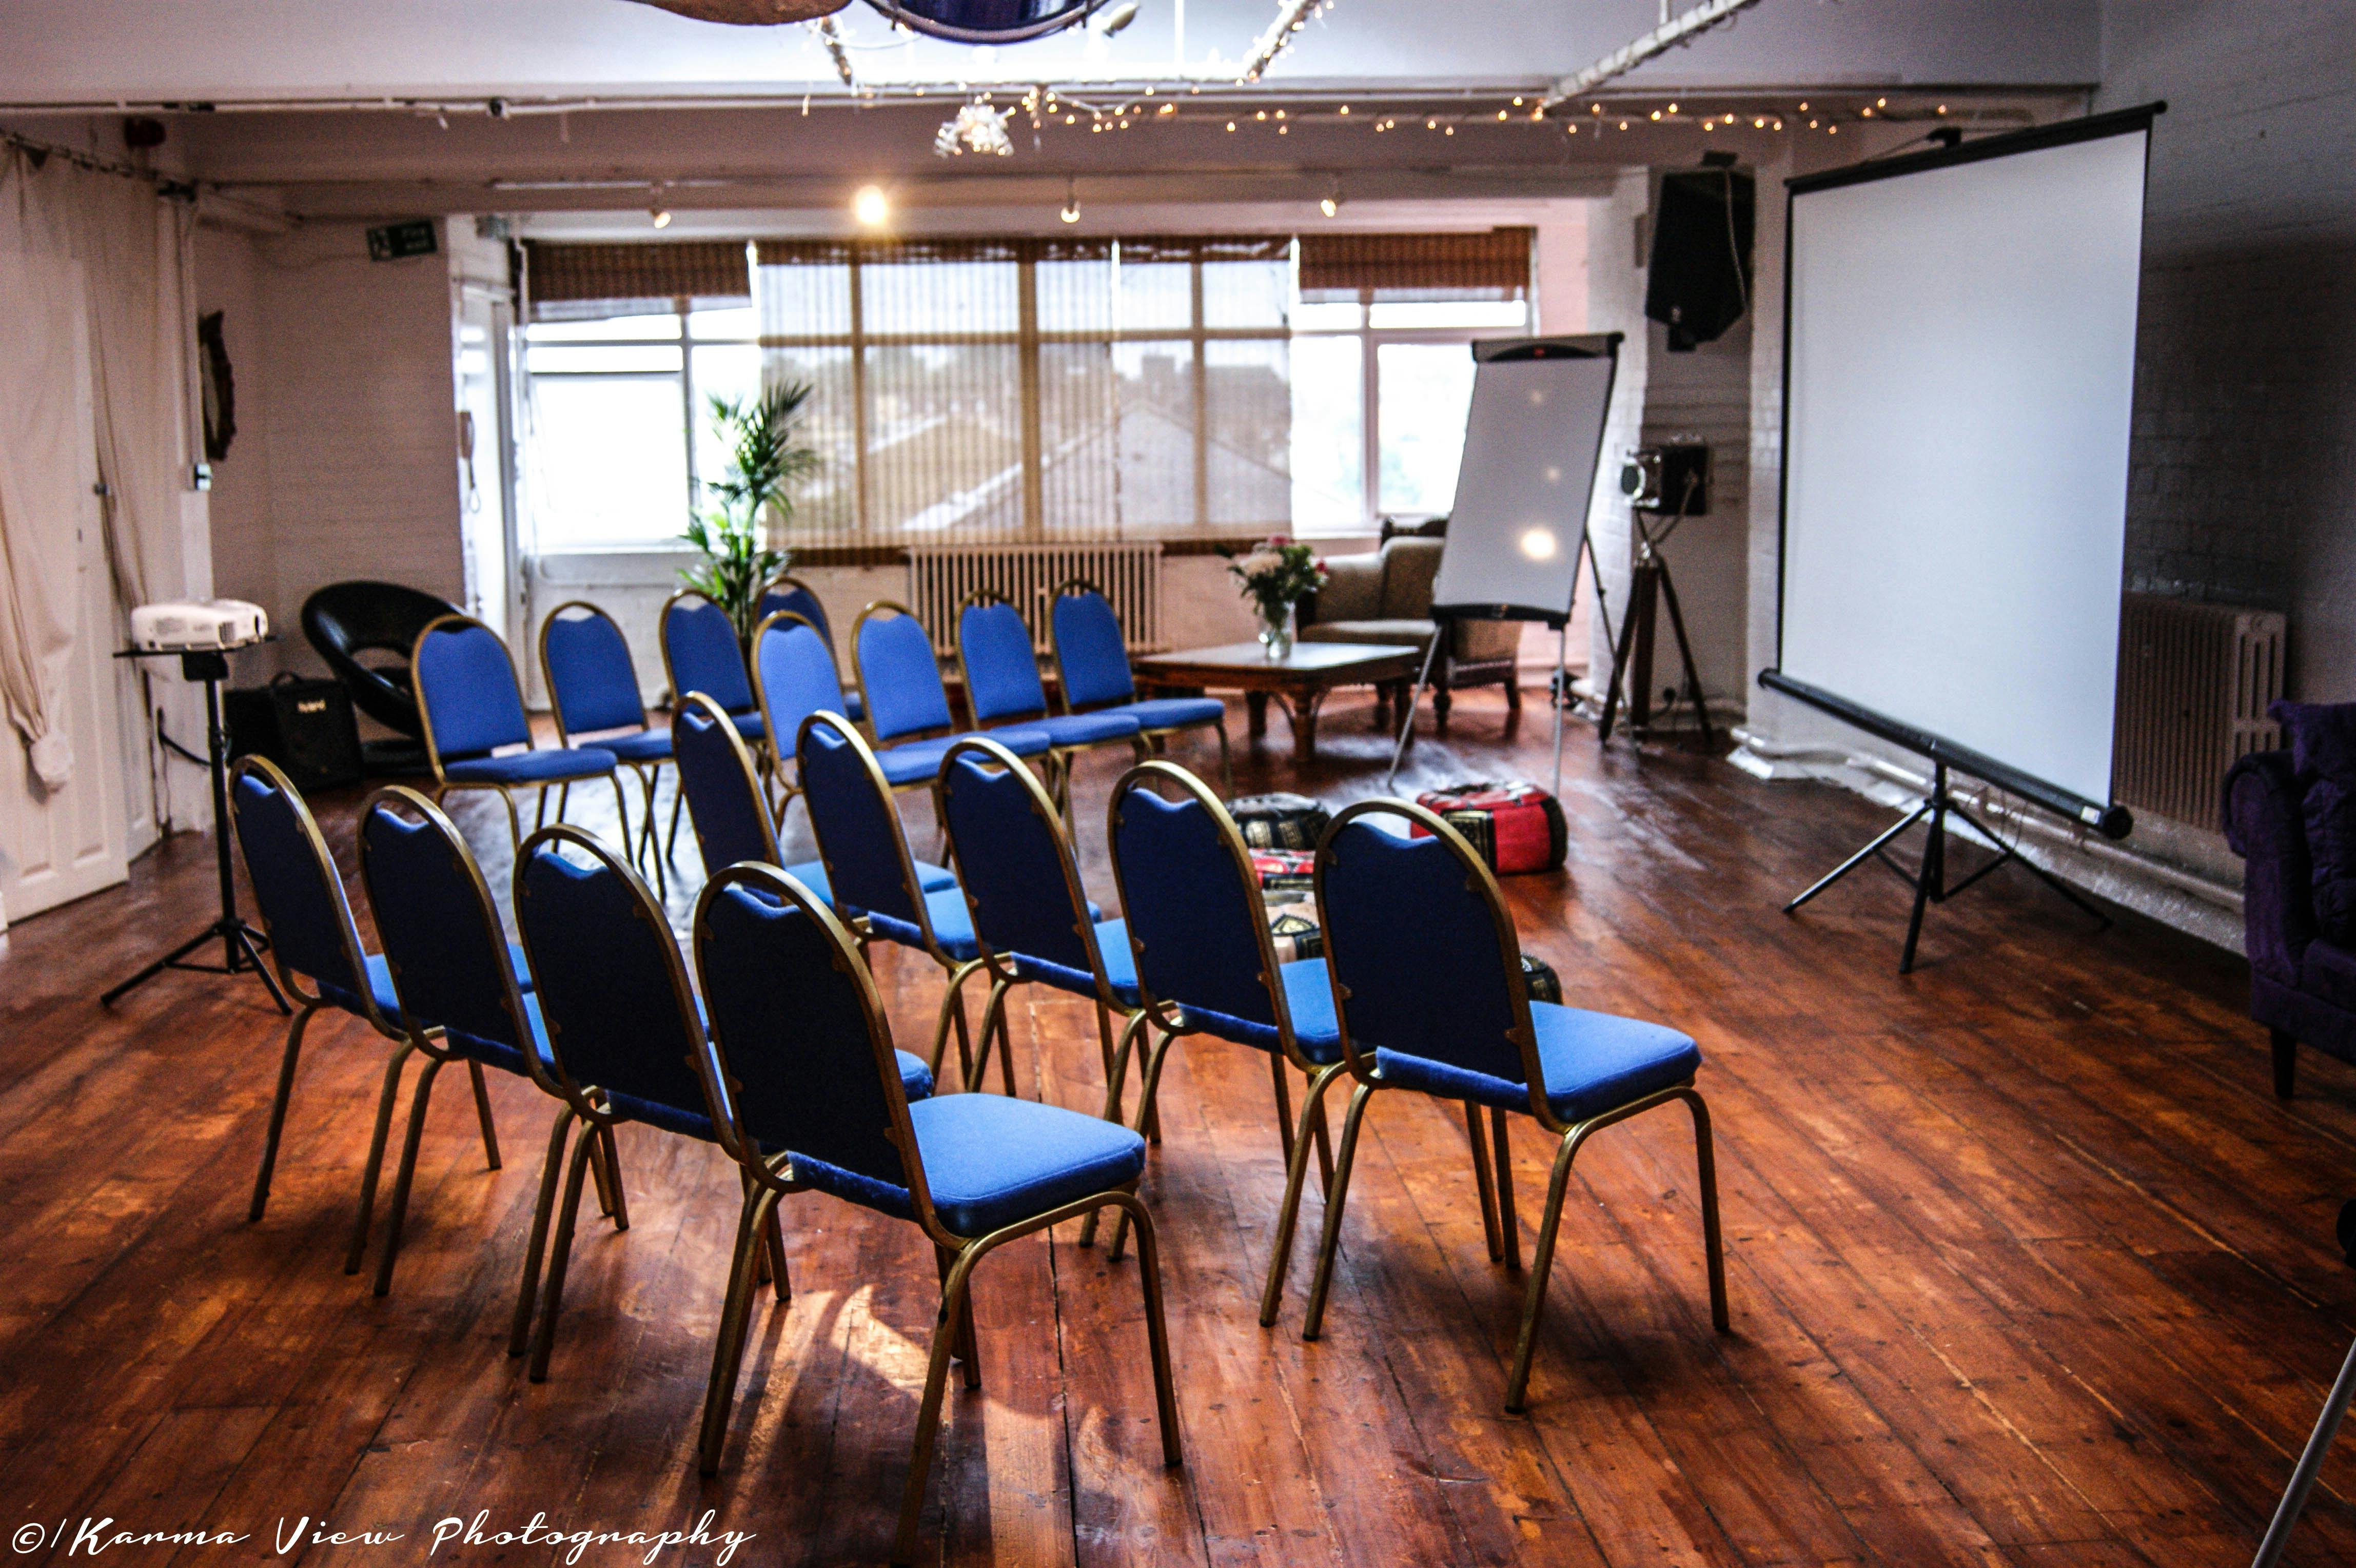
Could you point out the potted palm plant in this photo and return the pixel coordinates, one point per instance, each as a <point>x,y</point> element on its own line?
<point>767,458</point>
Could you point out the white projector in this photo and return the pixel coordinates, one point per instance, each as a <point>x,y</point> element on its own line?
<point>198,626</point>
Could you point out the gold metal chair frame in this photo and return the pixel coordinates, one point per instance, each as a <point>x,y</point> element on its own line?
<point>1498,1212</point>
<point>716,714</point>
<point>1154,736</point>
<point>1171,1019</point>
<point>953,999</point>
<point>765,753</point>
<point>771,1177</point>
<point>309,1003</point>
<point>426,1043</point>
<point>1003,975</point>
<point>586,1105</point>
<point>1060,757</point>
<point>646,772</point>
<point>444,785</point>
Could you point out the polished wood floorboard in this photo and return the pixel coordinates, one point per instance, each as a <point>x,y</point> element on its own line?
<point>2028,1265</point>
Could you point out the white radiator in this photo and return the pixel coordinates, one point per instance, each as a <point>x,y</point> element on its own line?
<point>2195,681</point>
<point>941,576</point>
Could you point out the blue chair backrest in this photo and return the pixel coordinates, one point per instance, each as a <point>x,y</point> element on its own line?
<point>1002,673</point>
<point>793,598</point>
<point>302,898</point>
<point>466,687</point>
<point>433,914</point>
<point>724,796</point>
<point>797,674</point>
<point>1190,907</point>
<point>608,974</point>
<point>858,831</point>
<point>1414,945</point>
<point>1091,655</point>
<point>592,680</point>
<point>699,646</point>
<point>1011,860</point>
<point>900,678</point>
<point>790,1016</point>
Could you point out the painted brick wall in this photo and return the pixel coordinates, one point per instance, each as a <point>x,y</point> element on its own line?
<point>2243,460</point>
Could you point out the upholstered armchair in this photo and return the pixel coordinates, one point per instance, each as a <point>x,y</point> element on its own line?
<point>1384,596</point>
<point>2302,987</point>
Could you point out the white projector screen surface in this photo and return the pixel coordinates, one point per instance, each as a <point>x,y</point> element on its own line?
<point>1961,375</point>
<point>1532,439</point>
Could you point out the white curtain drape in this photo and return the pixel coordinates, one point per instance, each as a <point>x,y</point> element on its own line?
<point>129,242</point>
<point>36,607</point>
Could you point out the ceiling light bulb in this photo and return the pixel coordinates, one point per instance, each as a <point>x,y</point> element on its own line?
<point>660,217</point>
<point>1673,109</point>
<point>871,206</point>
<point>1071,212</point>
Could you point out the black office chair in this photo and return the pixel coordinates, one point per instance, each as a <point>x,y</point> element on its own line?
<point>344,621</point>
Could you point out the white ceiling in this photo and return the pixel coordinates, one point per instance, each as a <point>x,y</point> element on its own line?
<point>97,53</point>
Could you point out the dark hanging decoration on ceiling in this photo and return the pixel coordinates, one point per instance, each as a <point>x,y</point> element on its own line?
<point>988,21</point>
<point>752,13</point>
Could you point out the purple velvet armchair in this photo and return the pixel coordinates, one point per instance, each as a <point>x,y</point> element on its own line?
<point>2302,987</point>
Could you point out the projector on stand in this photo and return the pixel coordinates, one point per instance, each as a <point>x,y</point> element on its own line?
<point>198,626</point>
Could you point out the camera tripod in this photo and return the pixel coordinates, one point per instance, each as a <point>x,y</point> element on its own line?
<point>1649,584</point>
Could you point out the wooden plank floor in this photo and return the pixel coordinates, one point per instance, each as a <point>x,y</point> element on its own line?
<point>2028,1265</point>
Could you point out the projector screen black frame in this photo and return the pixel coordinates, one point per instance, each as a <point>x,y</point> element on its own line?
<point>2108,818</point>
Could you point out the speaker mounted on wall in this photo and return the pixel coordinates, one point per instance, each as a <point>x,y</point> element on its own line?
<point>1699,278</point>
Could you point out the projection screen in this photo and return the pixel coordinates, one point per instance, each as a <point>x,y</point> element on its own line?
<point>1960,365</point>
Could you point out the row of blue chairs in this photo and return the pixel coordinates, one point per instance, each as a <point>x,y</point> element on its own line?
<point>478,736</point>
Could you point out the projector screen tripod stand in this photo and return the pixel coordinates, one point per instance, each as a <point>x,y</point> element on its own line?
<point>1930,878</point>
<point>242,945</point>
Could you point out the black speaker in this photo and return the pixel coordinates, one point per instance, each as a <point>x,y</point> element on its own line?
<point>305,726</point>
<point>1699,273</point>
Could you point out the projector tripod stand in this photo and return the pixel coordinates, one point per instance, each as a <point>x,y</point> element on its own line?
<point>1649,584</point>
<point>1930,879</point>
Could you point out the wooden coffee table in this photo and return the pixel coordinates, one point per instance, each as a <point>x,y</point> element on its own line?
<point>1300,681</point>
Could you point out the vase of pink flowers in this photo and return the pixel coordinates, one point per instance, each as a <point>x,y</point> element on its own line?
<point>1276,576</point>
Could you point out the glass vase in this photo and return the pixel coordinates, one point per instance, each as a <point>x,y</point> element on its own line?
<point>1276,632</point>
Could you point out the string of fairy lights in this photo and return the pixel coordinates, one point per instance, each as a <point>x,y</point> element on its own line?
<point>986,121</point>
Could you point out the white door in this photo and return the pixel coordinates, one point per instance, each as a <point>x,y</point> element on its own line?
<point>57,845</point>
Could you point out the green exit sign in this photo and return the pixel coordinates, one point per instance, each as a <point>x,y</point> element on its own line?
<point>395,241</point>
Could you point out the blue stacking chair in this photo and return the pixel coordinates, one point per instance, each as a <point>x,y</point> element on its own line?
<point>312,937</point>
<point>802,1039</point>
<point>1205,964</point>
<point>625,1034</point>
<point>724,799</point>
<point>1428,996</point>
<point>1092,673</point>
<point>905,698</point>
<point>701,653</point>
<point>449,962</point>
<point>592,689</point>
<point>1002,685</point>
<point>791,595</point>
<point>871,876</point>
<point>1030,920</point>
<point>471,705</point>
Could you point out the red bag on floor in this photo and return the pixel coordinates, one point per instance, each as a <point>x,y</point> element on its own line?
<point>1285,873</point>
<point>1516,826</point>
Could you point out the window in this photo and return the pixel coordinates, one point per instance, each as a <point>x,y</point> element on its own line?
<point>1036,389</point>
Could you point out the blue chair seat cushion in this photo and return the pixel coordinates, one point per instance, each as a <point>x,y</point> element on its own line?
<point>1088,729</point>
<point>992,1161</point>
<point>1112,945</point>
<point>952,925</point>
<point>379,978</point>
<point>1174,713</point>
<point>499,1054</point>
<point>646,745</point>
<point>750,725</point>
<point>1594,1062</point>
<point>1308,995</point>
<point>555,765</point>
<point>811,874</point>
<point>688,1122</point>
<point>853,707</point>
<point>920,761</point>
